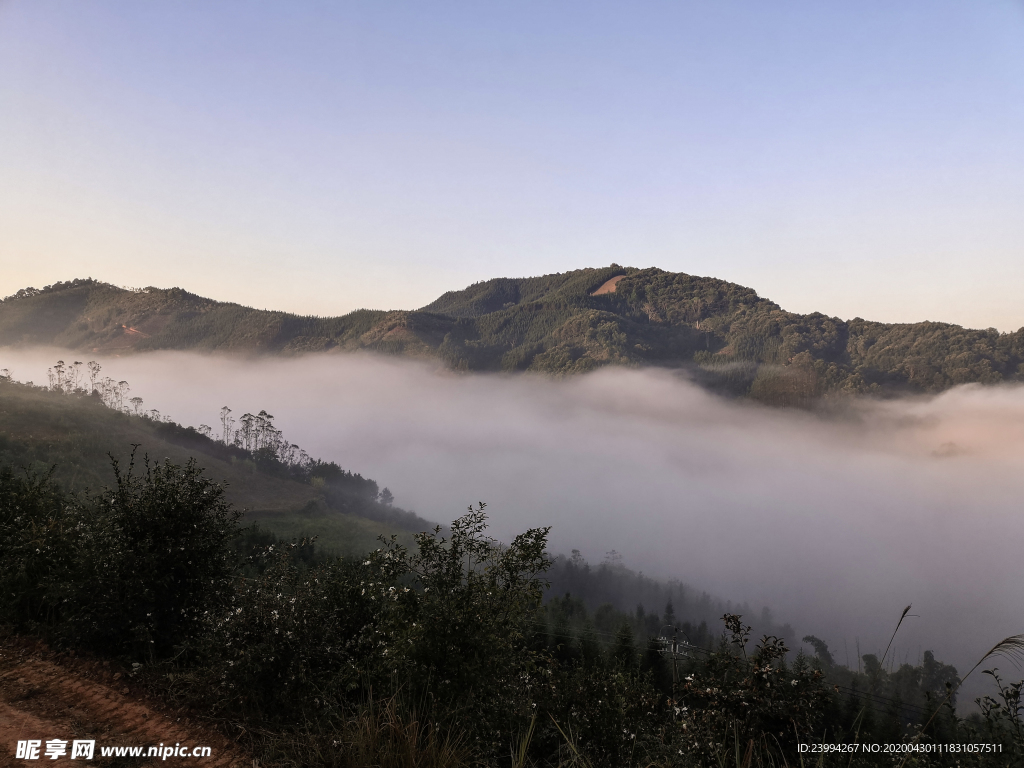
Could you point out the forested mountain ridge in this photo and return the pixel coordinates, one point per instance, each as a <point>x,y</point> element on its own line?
<point>731,339</point>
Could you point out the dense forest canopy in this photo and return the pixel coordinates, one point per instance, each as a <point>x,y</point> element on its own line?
<point>728,337</point>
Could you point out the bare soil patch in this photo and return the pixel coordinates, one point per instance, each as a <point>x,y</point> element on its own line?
<point>45,695</point>
<point>608,286</point>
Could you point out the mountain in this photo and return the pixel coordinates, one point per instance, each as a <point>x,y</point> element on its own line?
<point>75,436</point>
<point>724,334</point>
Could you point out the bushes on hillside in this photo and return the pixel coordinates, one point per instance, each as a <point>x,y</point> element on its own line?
<point>132,570</point>
<point>448,622</point>
<point>437,655</point>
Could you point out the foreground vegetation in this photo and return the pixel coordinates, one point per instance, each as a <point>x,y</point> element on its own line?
<point>444,648</point>
<point>440,654</point>
<point>729,338</point>
<point>74,432</point>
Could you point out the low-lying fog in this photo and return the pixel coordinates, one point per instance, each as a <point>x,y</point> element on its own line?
<point>834,522</point>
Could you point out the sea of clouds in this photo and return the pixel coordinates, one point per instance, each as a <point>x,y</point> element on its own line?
<point>836,520</point>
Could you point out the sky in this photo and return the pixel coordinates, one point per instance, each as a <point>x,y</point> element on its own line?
<point>855,158</point>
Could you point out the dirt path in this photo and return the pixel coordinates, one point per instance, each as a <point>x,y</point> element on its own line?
<point>48,696</point>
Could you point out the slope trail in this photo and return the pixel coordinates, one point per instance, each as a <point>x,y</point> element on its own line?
<point>45,696</point>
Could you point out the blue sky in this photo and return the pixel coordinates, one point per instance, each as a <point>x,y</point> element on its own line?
<point>855,158</point>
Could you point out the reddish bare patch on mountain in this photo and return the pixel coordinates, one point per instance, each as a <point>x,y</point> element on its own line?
<point>608,286</point>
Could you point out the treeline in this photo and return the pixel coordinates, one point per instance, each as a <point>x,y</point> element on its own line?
<point>731,339</point>
<point>89,314</point>
<point>794,358</point>
<point>616,595</point>
<point>57,287</point>
<point>881,701</point>
<point>741,343</point>
<point>252,440</point>
<point>440,655</point>
<point>257,441</point>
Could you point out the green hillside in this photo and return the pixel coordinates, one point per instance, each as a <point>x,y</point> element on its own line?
<point>728,337</point>
<point>77,435</point>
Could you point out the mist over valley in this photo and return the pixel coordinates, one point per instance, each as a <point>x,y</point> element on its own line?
<point>834,518</point>
<point>512,385</point>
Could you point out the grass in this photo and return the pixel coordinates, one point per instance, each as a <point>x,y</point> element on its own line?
<point>76,436</point>
<point>335,533</point>
<point>385,733</point>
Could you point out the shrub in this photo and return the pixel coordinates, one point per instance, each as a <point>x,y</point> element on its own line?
<point>39,554</point>
<point>155,559</point>
<point>131,570</point>
<point>736,696</point>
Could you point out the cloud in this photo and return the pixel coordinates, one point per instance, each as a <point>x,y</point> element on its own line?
<point>836,520</point>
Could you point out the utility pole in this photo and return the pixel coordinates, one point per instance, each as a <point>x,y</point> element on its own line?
<point>673,648</point>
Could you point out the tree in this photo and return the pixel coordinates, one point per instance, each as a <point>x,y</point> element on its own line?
<point>935,676</point>
<point>624,651</point>
<point>464,629</point>
<point>134,570</point>
<point>226,423</point>
<point>94,374</point>
<point>821,649</point>
<point>120,391</point>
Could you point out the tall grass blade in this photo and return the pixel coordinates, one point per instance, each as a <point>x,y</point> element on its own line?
<point>519,754</point>
<point>902,617</point>
<point>578,758</point>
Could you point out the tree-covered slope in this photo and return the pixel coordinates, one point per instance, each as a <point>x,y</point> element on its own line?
<point>89,315</point>
<point>730,338</point>
<point>76,435</point>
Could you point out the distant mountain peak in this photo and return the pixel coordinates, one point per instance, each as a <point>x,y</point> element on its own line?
<point>724,335</point>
